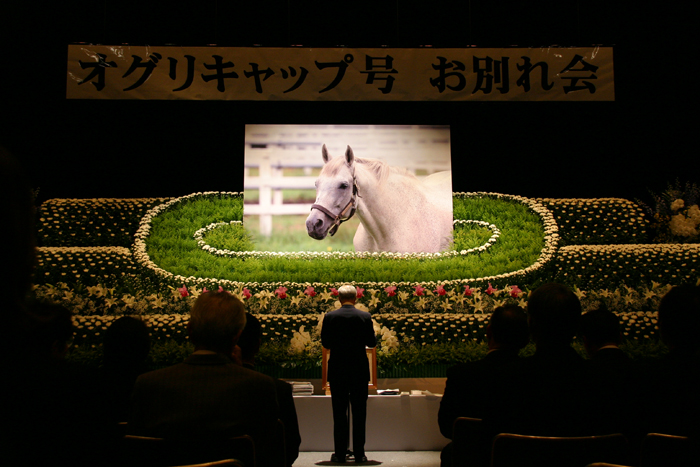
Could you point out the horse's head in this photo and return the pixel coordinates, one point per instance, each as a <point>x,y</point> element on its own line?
<point>335,195</point>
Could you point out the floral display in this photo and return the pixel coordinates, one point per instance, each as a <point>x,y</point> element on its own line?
<point>593,266</point>
<point>597,221</point>
<point>546,235</point>
<point>92,222</point>
<point>594,246</point>
<point>675,214</point>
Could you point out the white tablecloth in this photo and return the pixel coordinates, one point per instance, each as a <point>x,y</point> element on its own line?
<point>394,423</point>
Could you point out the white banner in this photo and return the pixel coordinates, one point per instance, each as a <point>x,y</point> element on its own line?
<point>340,74</point>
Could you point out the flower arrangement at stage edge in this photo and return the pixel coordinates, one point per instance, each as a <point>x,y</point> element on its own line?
<point>675,215</point>
<point>307,343</point>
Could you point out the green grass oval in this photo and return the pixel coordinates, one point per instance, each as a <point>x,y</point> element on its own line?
<point>171,246</point>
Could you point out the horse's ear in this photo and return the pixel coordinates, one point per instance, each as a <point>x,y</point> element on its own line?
<point>349,156</point>
<point>326,156</point>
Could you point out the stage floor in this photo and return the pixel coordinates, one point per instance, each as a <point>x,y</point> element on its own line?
<point>387,458</point>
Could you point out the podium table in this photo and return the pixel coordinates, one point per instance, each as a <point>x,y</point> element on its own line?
<point>394,423</point>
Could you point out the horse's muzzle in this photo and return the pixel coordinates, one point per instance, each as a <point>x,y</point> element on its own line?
<point>317,226</point>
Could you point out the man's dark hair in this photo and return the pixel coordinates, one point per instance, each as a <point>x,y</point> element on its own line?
<point>50,327</point>
<point>249,342</point>
<point>600,327</point>
<point>215,321</point>
<point>554,314</point>
<point>679,316</point>
<point>126,342</point>
<point>509,327</point>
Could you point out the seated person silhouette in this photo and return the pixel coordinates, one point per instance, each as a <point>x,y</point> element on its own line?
<point>247,348</point>
<point>207,397</point>
<point>506,334</point>
<point>556,390</point>
<point>671,384</point>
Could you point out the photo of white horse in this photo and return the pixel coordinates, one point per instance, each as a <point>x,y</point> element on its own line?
<point>398,212</point>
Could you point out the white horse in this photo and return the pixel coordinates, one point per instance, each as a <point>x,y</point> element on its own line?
<point>398,213</point>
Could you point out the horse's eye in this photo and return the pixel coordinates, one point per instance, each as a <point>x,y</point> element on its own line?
<point>344,185</point>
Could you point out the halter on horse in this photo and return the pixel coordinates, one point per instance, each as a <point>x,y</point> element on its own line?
<point>338,218</point>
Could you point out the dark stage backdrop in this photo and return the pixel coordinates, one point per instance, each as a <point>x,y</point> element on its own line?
<point>172,148</point>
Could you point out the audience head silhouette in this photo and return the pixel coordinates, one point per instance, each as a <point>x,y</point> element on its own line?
<point>250,340</point>
<point>347,294</point>
<point>216,321</point>
<point>554,313</point>
<point>679,318</point>
<point>600,328</point>
<point>50,328</point>
<point>508,328</point>
<point>126,342</point>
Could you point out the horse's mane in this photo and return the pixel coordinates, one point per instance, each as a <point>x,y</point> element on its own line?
<point>380,169</point>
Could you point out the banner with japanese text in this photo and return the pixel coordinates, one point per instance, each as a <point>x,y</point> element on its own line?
<point>340,74</point>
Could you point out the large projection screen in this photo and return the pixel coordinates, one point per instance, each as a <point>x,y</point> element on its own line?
<point>283,163</point>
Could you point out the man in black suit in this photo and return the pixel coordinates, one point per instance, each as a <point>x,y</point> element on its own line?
<point>346,332</point>
<point>207,398</point>
<point>506,333</point>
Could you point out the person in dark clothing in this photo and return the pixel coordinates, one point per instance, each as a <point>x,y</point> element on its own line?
<point>506,333</point>
<point>249,345</point>
<point>125,350</point>
<point>600,330</point>
<point>672,382</point>
<point>347,332</point>
<point>207,399</point>
<point>557,394</point>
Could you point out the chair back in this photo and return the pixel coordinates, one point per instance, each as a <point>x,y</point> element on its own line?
<point>221,463</point>
<point>660,450</point>
<point>512,450</point>
<point>142,451</point>
<point>605,464</point>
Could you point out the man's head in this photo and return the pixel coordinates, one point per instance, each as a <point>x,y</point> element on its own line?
<point>508,328</point>
<point>679,317</point>
<point>126,342</point>
<point>600,327</point>
<point>347,294</point>
<point>216,321</point>
<point>50,328</point>
<point>554,313</point>
<point>250,339</point>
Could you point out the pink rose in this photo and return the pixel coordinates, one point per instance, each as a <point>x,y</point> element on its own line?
<point>246,294</point>
<point>515,291</point>
<point>360,292</point>
<point>467,291</point>
<point>391,290</point>
<point>334,291</point>
<point>419,291</point>
<point>310,291</point>
<point>490,290</point>
<point>440,290</point>
<point>281,292</point>
<point>183,291</point>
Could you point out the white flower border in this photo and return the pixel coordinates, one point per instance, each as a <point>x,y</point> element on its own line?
<point>551,238</point>
<point>199,237</point>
